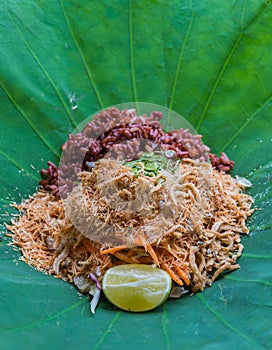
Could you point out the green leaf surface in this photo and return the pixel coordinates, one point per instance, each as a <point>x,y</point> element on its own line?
<point>208,60</point>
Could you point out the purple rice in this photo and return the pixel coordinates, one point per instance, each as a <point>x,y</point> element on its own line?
<point>124,135</point>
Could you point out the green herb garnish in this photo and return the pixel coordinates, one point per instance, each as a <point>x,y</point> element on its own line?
<point>149,164</point>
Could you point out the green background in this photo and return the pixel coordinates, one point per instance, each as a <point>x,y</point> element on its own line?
<point>208,60</point>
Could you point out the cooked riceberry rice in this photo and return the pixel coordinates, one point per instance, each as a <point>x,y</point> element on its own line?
<point>119,134</point>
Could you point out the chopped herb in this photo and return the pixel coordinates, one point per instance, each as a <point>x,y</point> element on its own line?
<point>149,164</point>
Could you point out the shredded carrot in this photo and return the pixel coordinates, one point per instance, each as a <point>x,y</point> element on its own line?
<point>114,249</point>
<point>182,274</point>
<point>149,249</point>
<point>152,254</point>
<point>172,274</point>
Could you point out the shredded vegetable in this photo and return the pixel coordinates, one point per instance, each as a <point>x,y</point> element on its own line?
<point>201,238</point>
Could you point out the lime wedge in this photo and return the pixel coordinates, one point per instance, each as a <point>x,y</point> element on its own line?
<point>136,287</point>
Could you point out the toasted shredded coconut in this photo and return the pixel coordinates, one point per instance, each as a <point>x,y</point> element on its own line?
<point>202,239</point>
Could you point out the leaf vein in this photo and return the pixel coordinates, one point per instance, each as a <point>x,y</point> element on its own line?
<point>131,52</point>
<point>108,330</point>
<point>43,70</point>
<point>86,66</point>
<point>228,324</point>
<point>48,319</point>
<point>186,37</point>
<point>243,14</point>
<point>218,80</point>
<point>164,327</point>
<point>24,115</point>
<point>262,199</point>
<point>227,61</point>
<point>11,160</point>
<point>260,228</point>
<point>245,124</point>
<point>256,256</point>
<point>265,283</point>
<point>261,168</point>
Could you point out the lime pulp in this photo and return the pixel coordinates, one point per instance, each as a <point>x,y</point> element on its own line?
<point>136,287</point>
